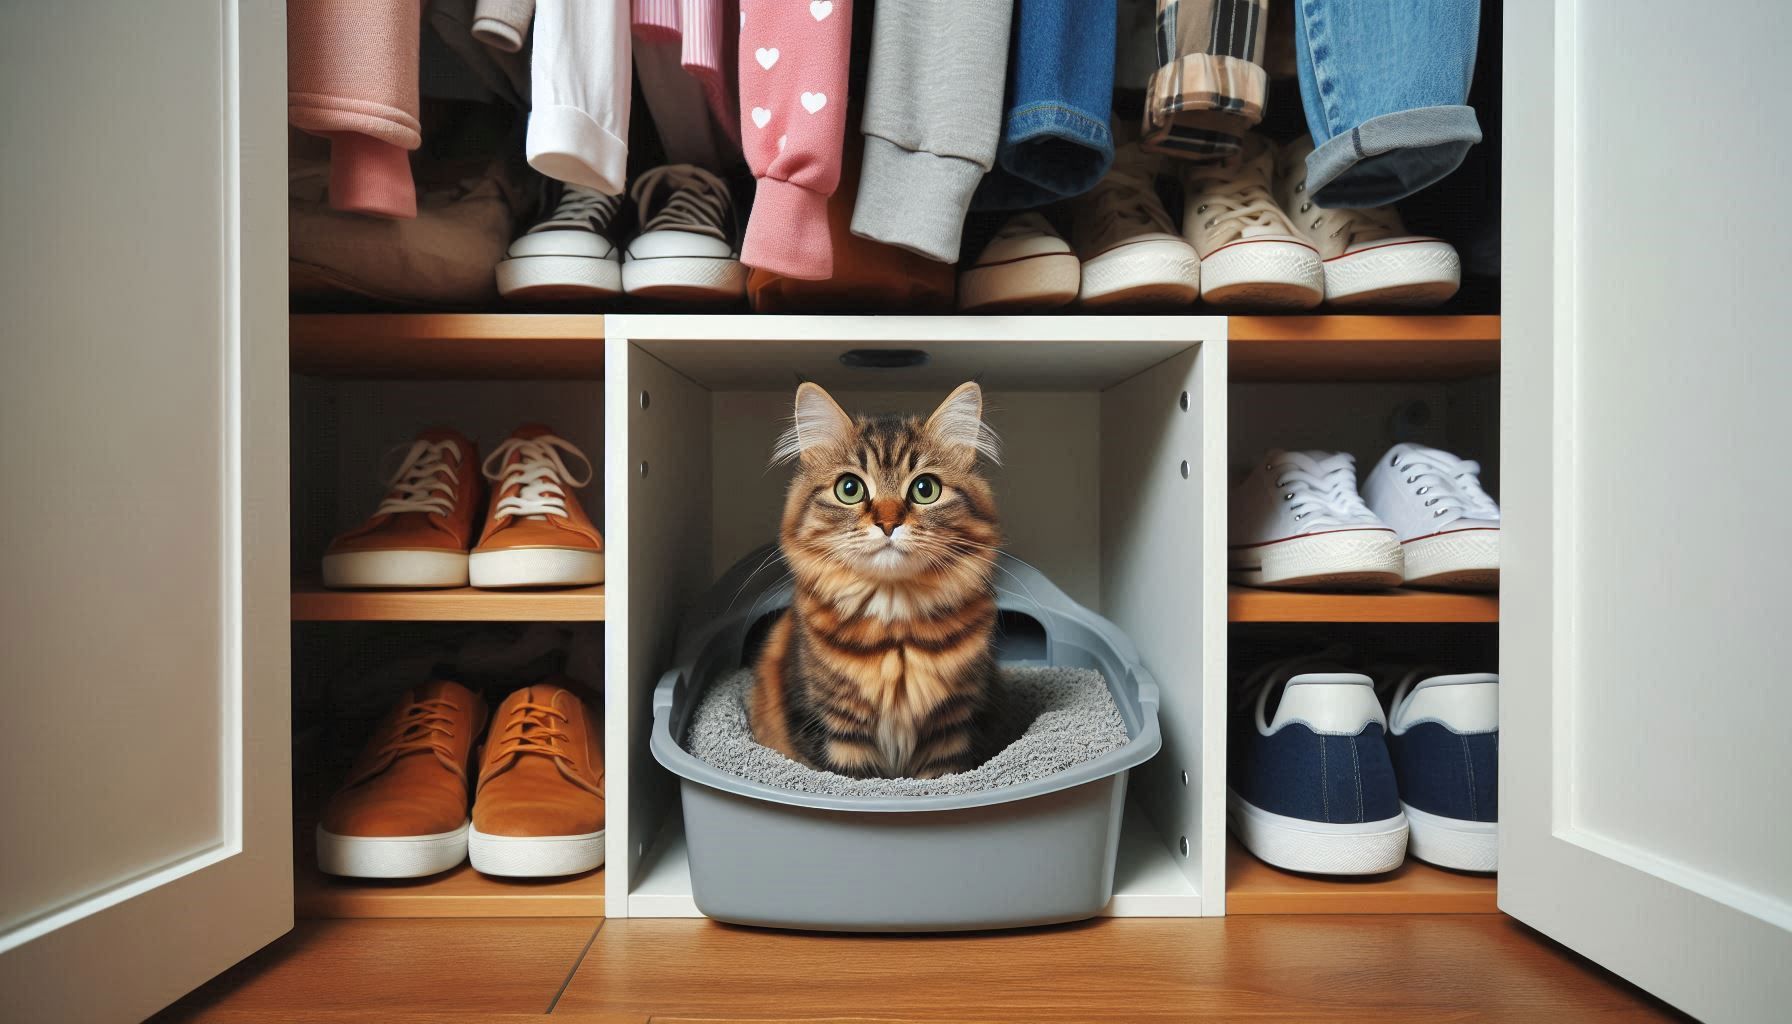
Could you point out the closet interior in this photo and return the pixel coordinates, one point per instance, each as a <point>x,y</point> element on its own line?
<point>1121,435</point>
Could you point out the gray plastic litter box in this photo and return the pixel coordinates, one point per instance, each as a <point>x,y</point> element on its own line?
<point>1040,852</point>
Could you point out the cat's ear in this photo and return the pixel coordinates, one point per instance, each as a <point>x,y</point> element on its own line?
<point>958,423</point>
<point>819,423</point>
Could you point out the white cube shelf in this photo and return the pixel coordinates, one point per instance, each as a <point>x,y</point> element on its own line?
<point>1112,483</point>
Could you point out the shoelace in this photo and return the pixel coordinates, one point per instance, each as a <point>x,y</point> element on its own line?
<point>1237,200</point>
<point>1354,226</point>
<point>1450,486</point>
<point>583,207</point>
<point>418,486</point>
<point>539,472</point>
<point>531,731</point>
<point>699,201</point>
<point>1126,204</point>
<point>1323,490</point>
<point>425,726</point>
<point>1024,225</point>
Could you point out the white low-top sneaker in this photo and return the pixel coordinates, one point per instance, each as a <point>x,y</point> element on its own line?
<point>1027,266</point>
<point>1370,258</point>
<point>568,256</point>
<point>1251,257</point>
<point>688,249</point>
<point>1449,527</point>
<point>1296,520</point>
<point>1132,256</point>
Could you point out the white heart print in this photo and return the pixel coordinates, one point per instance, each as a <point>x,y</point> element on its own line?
<point>820,9</point>
<point>766,57</point>
<point>782,139</point>
<point>761,116</point>
<point>813,101</point>
<point>743,19</point>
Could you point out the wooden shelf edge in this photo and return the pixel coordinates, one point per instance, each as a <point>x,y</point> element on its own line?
<point>311,602</point>
<point>424,346</point>
<point>1346,327</point>
<point>351,327</point>
<point>1344,347</point>
<point>1253,887</point>
<point>1250,604</point>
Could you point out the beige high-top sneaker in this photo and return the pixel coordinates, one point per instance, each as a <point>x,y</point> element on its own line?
<point>1251,257</point>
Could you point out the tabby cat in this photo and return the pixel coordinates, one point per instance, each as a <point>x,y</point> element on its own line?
<point>882,665</point>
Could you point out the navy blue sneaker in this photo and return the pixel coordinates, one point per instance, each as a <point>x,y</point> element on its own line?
<point>1444,735</point>
<point>1310,786</point>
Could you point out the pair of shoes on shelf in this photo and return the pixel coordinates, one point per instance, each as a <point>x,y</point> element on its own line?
<point>687,249</point>
<point>537,798</point>
<point>1324,779</point>
<point>424,533</point>
<point>1422,519</point>
<point>1251,240</point>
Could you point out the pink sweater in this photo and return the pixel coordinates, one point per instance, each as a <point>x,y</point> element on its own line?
<point>352,78</point>
<point>793,63</point>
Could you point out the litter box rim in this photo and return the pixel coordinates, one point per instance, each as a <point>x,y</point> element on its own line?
<point>707,626</point>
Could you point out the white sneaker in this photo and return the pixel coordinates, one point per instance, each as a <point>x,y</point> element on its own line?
<point>1131,253</point>
<point>1025,267</point>
<point>1296,521</point>
<point>1250,254</point>
<point>689,246</point>
<point>1448,526</point>
<point>1370,260</point>
<point>568,256</point>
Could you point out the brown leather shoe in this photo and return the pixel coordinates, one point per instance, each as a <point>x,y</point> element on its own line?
<point>402,813</point>
<point>420,533</point>
<point>536,534</point>
<point>538,807</point>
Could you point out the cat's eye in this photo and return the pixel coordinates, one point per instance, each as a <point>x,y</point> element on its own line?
<point>925,490</point>
<point>849,489</point>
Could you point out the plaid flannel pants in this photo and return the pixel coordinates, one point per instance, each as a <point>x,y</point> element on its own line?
<point>1210,86</point>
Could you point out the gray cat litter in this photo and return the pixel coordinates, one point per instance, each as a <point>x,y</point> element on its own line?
<point>1067,714</point>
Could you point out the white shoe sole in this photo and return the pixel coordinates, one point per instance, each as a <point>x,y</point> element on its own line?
<point>1455,560</point>
<point>558,278</point>
<point>536,567</point>
<point>1410,274</point>
<point>1453,842</point>
<point>535,856</point>
<point>390,856</point>
<point>1342,560</point>
<point>1041,282</point>
<point>396,569</point>
<point>685,279</point>
<point>1158,274</point>
<point>1263,275</point>
<point>1317,847</point>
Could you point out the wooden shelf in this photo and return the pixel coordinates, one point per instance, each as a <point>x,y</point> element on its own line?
<point>1253,887</point>
<point>311,602</point>
<point>1251,604</point>
<point>461,892</point>
<point>517,346</point>
<point>1343,347</point>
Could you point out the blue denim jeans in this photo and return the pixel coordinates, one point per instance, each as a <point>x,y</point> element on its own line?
<point>1055,141</point>
<point>1385,87</point>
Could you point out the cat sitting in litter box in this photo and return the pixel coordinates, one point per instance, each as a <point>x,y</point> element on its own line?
<point>882,665</point>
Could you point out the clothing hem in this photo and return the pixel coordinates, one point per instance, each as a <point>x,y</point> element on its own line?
<point>566,144</point>
<point>914,199</point>
<point>1387,158</point>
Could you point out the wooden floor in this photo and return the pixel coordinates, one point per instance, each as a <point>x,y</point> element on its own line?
<point>1386,968</point>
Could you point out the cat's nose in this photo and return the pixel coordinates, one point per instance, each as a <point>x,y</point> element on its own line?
<point>887,514</point>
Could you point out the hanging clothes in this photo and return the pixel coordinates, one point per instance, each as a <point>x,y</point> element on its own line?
<point>352,78</point>
<point>681,49</point>
<point>1210,87</point>
<point>579,81</point>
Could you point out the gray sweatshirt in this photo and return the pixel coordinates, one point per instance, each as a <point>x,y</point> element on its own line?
<point>933,113</point>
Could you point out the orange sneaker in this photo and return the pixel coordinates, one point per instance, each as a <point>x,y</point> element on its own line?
<point>539,805</point>
<point>420,533</point>
<point>402,813</point>
<point>536,534</point>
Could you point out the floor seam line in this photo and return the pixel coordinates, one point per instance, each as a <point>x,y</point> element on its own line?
<point>574,970</point>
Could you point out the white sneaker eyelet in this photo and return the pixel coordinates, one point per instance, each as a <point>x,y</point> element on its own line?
<point>1288,497</point>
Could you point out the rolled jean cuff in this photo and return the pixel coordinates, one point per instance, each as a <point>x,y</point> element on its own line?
<point>1060,150</point>
<point>914,199</point>
<point>787,232</point>
<point>1387,158</point>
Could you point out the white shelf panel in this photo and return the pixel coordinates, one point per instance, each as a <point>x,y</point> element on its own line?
<point>1147,881</point>
<point>1005,353</point>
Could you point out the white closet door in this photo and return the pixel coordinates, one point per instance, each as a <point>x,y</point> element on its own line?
<point>144,694</point>
<point>1645,621</point>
